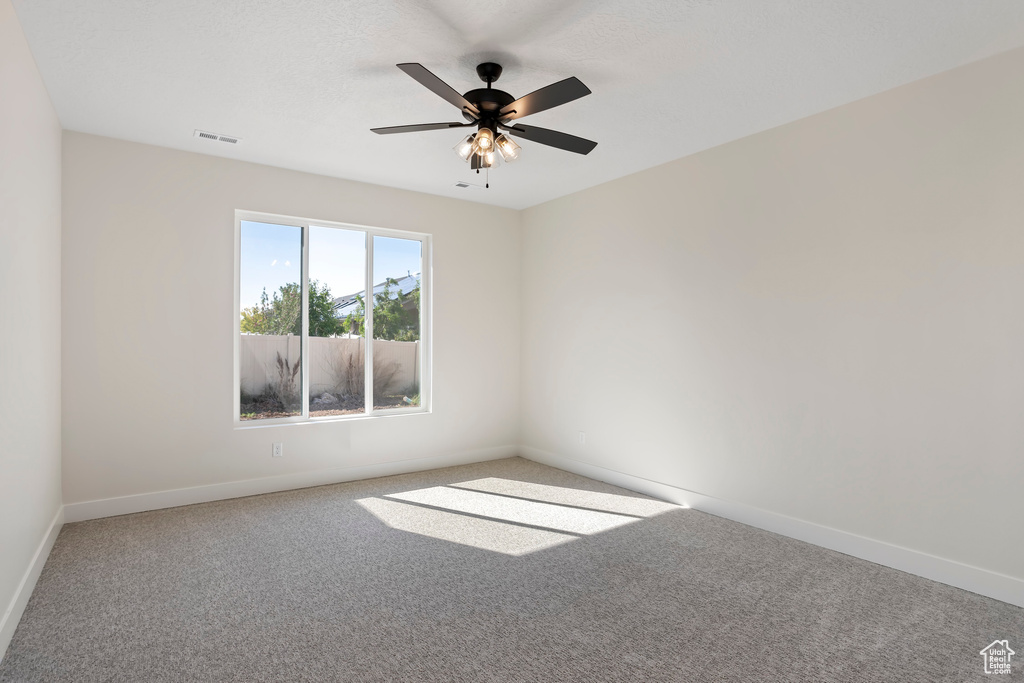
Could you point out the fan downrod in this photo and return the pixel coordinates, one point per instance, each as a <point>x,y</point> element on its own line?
<point>488,72</point>
<point>488,101</point>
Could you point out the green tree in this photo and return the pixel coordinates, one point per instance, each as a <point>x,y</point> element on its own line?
<point>280,315</point>
<point>354,321</point>
<point>283,313</point>
<point>322,320</point>
<point>396,314</point>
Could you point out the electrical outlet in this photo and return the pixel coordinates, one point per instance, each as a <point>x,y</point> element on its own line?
<point>278,450</point>
<point>583,438</point>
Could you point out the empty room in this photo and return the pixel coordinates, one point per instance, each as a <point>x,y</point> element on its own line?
<point>515,341</point>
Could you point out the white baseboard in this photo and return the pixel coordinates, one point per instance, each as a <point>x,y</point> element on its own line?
<point>124,505</point>
<point>12,615</point>
<point>974,579</point>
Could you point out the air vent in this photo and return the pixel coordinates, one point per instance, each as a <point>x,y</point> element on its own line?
<point>216,137</point>
<point>464,185</point>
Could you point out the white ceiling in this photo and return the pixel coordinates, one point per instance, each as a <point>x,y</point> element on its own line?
<point>303,82</point>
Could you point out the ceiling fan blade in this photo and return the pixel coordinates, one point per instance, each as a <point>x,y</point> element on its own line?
<point>418,127</point>
<point>552,138</point>
<point>437,86</point>
<point>553,95</point>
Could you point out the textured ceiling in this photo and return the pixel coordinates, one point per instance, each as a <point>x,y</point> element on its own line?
<point>303,82</point>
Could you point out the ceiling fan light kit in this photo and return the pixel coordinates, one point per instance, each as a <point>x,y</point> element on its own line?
<point>490,109</point>
<point>507,147</point>
<point>465,147</point>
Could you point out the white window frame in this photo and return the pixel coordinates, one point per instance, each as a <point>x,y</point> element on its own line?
<point>425,320</point>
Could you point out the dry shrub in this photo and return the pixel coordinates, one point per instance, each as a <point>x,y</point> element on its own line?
<point>349,378</point>
<point>347,370</point>
<point>383,373</point>
<point>286,390</point>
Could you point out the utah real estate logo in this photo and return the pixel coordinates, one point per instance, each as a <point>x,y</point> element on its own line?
<point>997,657</point>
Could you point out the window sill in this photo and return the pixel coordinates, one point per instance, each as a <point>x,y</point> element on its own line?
<point>295,421</point>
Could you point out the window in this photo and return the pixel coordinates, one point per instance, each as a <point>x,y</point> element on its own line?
<point>332,320</point>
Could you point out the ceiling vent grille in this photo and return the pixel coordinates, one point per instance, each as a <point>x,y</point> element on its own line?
<point>217,137</point>
<point>464,185</point>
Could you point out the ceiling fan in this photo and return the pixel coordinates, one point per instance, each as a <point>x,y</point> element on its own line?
<point>491,110</point>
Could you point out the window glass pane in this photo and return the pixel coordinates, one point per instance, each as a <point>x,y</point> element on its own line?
<point>271,320</point>
<point>337,349</point>
<point>397,265</point>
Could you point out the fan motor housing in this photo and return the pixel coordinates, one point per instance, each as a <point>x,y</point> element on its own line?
<point>489,100</point>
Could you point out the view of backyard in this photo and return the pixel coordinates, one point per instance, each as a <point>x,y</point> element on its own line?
<point>270,351</point>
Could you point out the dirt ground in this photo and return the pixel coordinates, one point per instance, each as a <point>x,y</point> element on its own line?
<point>266,407</point>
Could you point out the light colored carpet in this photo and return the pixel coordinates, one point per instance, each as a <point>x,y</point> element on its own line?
<point>501,571</point>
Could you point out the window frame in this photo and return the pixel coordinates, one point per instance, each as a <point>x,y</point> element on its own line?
<point>426,299</point>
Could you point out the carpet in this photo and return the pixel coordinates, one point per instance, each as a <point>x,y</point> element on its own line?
<point>499,571</point>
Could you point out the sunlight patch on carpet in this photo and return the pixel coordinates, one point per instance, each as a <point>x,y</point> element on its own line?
<point>533,513</point>
<point>485,534</point>
<point>595,500</point>
<point>508,516</point>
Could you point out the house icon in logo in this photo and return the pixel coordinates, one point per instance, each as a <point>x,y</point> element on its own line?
<point>997,657</point>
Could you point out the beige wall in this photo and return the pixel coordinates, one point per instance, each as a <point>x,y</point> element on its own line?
<point>30,140</point>
<point>824,320</point>
<point>148,317</point>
